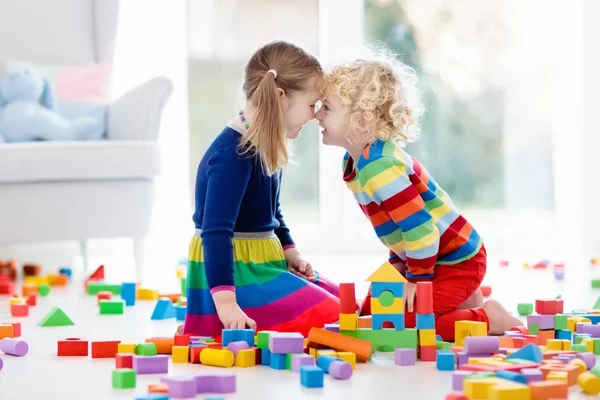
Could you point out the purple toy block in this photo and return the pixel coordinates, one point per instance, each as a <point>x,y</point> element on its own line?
<point>542,321</point>
<point>1,364</point>
<point>340,370</point>
<point>593,330</point>
<point>559,274</point>
<point>567,356</point>
<point>562,359</point>
<point>481,344</point>
<point>285,343</point>
<point>158,364</point>
<point>463,358</point>
<point>579,327</point>
<point>180,388</point>
<point>532,375</point>
<point>234,347</point>
<point>14,347</point>
<point>503,350</point>
<point>405,356</point>
<point>458,378</point>
<point>215,383</point>
<point>299,360</point>
<point>588,358</point>
<point>332,328</point>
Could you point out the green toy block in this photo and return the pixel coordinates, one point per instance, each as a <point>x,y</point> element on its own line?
<point>525,308</point>
<point>56,317</point>
<point>44,289</point>
<point>112,306</point>
<point>123,378</point>
<point>386,339</point>
<point>595,283</point>
<point>534,328</point>
<point>580,348</point>
<point>596,346</point>
<point>561,322</point>
<point>262,341</point>
<point>482,375</point>
<point>443,345</point>
<point>95,287</point>
<point>596,305</point>
<point>596,371</point>
<point>288,361</point>
<point>210,340</point>
<point>517,361</point>
<point>559,297</point>
<point>146,349</point>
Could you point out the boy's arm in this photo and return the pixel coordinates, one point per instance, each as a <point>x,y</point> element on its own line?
<point>387,182</point>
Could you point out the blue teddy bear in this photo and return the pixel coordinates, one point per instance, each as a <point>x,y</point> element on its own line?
<point>28,111</point>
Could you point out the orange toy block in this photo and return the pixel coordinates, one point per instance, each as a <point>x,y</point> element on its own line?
<point>171,296</point>
<point>158,388</point>
<point>16,328</point>
<point>365,322</point>
<point>544,336</point>
<point>105,349</point>
<point>72,347</point>
<point>8,269</point>
<point>61,280</point>
<point>546,390</point>
<point>347,296</point>
<point>29,288</point>
<point>7,330</point>
<point>571,370</point>
<point>164,345</point>
<point>19,310</point>
<point>338,342</point>
<point>507,343</point>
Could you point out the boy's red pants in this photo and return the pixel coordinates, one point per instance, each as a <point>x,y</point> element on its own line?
<point>452,285</point>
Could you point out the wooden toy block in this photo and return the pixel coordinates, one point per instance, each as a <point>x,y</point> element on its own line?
<point>123,378</point>
<point>386,303</point>
<point>158,388</point>
<point>245,358</point>
<point>105,349</point>
<point>124,361</point>
<point>147,294</point>
<point>19,310</point>
<point>342,342</point>
<point>365,322</point>
<point>463,329</point>
<point>589,383</point>
<point>544,390</point>
<point>129,293</point>
<point>427,353</point>
<point>385,339</point>
<point>426,321</point>
<point>112,307</point>
<point>397,288</point>
<point>61,280</point>
<point>347,295</point>
<point>28,289</point>
<point>103,296</point>
<point>311,376</point>
<point>396,319</point>
<point>163,344</point>
<point>72,347</point>
<point>386,273</point>
<point>15,300</point>
<point>126,348</point>
<point>217,358</point>
<point>348,322</point>
<point>427,337</point>
<point>424,298</point>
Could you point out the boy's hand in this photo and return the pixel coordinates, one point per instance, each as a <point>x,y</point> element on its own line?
<point>410,290</point>
<point>298,266</point>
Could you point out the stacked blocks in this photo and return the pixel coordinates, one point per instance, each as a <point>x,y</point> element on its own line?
<point>387,301</point>
<point>348,318</point>
<point>426,322</point>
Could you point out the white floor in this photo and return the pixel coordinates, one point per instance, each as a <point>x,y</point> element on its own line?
<point>41,374</point>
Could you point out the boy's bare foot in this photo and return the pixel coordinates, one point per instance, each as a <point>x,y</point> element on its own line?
<point>474,301</point>
<point>500,319</point>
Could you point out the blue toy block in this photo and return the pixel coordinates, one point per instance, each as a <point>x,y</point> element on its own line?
<point>154,396</point>
<point>180,312</point>
<point>311,376</point>
<point>278,361</point>
<point>377,321</point>
<point>564,334</point>
<point>128,293</point>
<point>530,352</point>
<point>438,338</point>
<point>163,310</point>
<point>511,376</point>
<point>325,361</point>
<point>397,288</point>
<point>265,357</point>
<point>445,360</point>
<point>425,321</point>
<point>66,271</point>
<point>237,335</point>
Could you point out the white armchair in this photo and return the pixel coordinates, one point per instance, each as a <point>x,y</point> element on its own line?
<point>79,190</point>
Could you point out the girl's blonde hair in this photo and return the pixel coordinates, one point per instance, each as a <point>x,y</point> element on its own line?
<point>277,65</point>
<point>380,96</point>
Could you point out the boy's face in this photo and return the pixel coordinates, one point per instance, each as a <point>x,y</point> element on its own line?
<point>332,120</point>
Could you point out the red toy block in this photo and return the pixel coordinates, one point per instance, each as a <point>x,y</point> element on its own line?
<point>195,354</point>
<point>257,356</point>
<point>347,298</point>
<point>8,269</point>
<point>518,342</point>
<point>103,296</point>
<point>32,299</point>
<point>424,298</point>
<point>19,310</point>
<point>520,328</point>
<point>456,396</point>
<point>182,340</point>
<point>486,291</point>
<point>7,330</point>
<point>549,307</point>
<point>427,353</point>
<point>106,349</point>
<point>7,287</point>
<point>72,347</point>
<point>124,361</point>
<point>16,328</point>
<point>531,339</point>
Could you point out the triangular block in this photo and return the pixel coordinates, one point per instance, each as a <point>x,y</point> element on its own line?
<point>97,275</point>
<point>596,305</point>
<point>163,310</point>
<point>530,352</point>
<point>386,273</point>
<point>56,317</point>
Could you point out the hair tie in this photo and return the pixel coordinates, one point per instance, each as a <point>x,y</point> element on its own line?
<point>273,72</point>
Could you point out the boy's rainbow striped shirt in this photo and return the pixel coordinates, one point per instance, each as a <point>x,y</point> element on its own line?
<point>411,214</point>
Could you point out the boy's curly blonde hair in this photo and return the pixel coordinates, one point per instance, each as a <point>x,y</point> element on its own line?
<point>380,94</point>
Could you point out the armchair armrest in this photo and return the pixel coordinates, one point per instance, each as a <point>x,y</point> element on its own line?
<point>136,115</point>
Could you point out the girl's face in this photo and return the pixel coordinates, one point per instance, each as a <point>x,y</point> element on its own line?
<point>299,108</point>
<point>333,121</point>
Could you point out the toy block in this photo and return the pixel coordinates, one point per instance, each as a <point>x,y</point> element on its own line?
<point>386,273</point>
<point>530,352</point>
<point>425,321</point>
<point>424,298</point>
<point>126,348</point>
<point>163,344</point>
<point>112,307</point>
<point>180,354</point>
<point>344,341</point>
<point>589,344</point>
<point>463,329</point>
<point>509,391</point>
<point>396,288</point>
<point>180,387</point>
<point>548,390</point>
<point>286,343</point>
<point>103,296</point>
<point>525,309</point>
<point>580,348</point>
<point>278,361</point>
<point>265,357</point>
<point>572,371</point>
<point>16,328</point>
<point>95,287</point>
<point>245,358</point>
<point>217,358</point>
<point>28,289</point>
<point>445,360</point>
<point>347,295</point>
<point>158,364</point>
<point>150,349</point>
<point>549,307</point>
<point>365,321</point>
<point>73,347</point>
<point>65,271</point>
<point>163,310</point>
<point>235,347</point>
<point>105,349</point>
<point>580,363</point>
<point>596,346</point>
<point>146,294</point>
<point>561,322</point>
<point>554,344</point>
<point>519,330</point>
<point>158,388</point>
<point>235,335</point>
<point>195,352</point>
<point>544,336</point>
<point>7,287</point>
<point>348,357</point>
<point>180,313</point>
<point>212,383</point>
<point>333,327</point>
<point>15,300</point>
<point>98,274</point>
<point>124,361</point>
<point>589,383</point>
<point>299,360</point>
<point>386,339</point>
<point>386,303</point>
<point>262,339</point>
<point>486,291</point>
<point>348,322</point>
<point>426,337</point>
<point>335,367</point>
<point>380,319</point>
<point>593,330</point>
<point>154,396</point>
<point>32,299</point>
<point>6,330</point>
<point>427,353</point>
<point>405,356</point>
<point>182,340</point>
<point>311,376</point>
<point>481,345</point>
<point>123,378</point>
<point>14,347</point>
<point>539,322</point>
<point>56,317</point>
<point>513,376</point>
<point>129,293</point>
<point>19,310</point>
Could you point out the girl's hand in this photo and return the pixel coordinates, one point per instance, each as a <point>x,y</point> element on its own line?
<point>410,290</point>
<point>230,313</point>
<point>298,266</point>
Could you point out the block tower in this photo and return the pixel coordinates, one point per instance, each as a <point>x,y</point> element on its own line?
<point>426,321</point>
<point>387,297</point>
<point>348,318</point>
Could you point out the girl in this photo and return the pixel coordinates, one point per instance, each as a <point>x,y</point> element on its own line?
<point>244,270</point>
<point>371,108</point>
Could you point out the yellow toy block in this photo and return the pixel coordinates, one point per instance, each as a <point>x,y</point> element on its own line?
<point>543,349</point>
<point>509,391</point>
<point>494,362</point>
<point>554,344</point>
<point>15,300</point>
<point>313,352</point>
<point>217,357</point>
<point>589,343</point>
<point>479,388</point>
<point>147,294</point>
<point>245,358</point>
<point>180,273</point>
<point>580,363</point>
<point>181,354</point>
<point>397,306</point>
<point>427,337</point>
<point>573,321</point>
<point>348,322</point>
<point>463,329</point>
<point>126,348</point>
<point>562,376</point>
<point>386,273</point>
<point>324,352</point>
<point>347,356</point>
<point>35,280</point>
<point>589,383</point>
